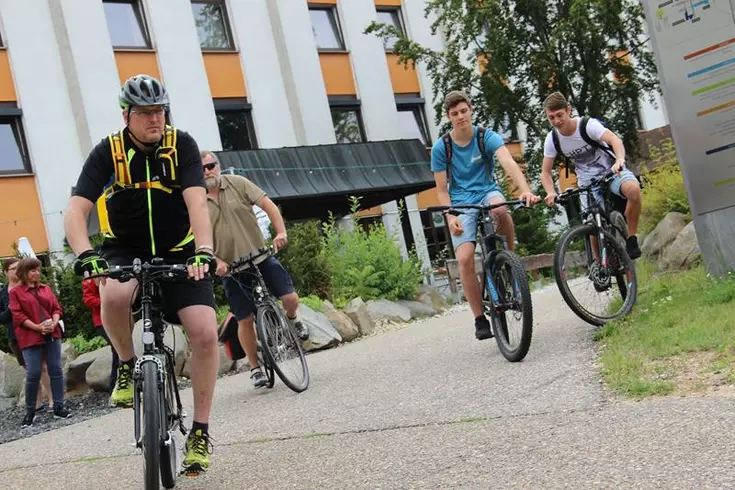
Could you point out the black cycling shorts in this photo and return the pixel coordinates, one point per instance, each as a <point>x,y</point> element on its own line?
<point>176,294</point>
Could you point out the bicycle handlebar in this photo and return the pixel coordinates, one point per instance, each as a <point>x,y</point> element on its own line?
<point>604,179</point>
<point>455,210</point>
<point>138,269</point>
<point>248,259</point>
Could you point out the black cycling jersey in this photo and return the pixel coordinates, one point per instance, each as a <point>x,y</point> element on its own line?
<point>148,214</point>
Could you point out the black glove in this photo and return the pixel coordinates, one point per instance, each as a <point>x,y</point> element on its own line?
<point>201,258</point>
<point>90,262</point>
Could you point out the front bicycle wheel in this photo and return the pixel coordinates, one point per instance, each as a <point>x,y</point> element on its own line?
<point>151,425</point>
<point>281,349</point>
<point>169,447</point>
<point>513,312</point>
<point>598,282</point>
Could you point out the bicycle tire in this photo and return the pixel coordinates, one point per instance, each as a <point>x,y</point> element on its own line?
<point>266,343</point>
<point>151,425</point>
<point>169,452</point>
<point>631,287</point>
<point>511,353</point>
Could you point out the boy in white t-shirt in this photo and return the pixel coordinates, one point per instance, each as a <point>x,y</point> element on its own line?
<point>590,161</point>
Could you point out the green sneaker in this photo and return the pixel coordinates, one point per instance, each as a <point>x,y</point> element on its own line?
<point>198,448</point>
<point>122,395</point>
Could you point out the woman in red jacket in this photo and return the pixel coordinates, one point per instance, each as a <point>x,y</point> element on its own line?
<point>36,314</point>
<point>91,299</point>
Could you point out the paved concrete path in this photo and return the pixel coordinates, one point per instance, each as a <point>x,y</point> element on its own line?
<point>427,406</point>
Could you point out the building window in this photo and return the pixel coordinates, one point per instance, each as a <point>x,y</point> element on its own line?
<point>235,124</point>
<point>12,144</point>
<point>412,118</point>
<point>391,17</point>
<point>347,120</point>
<point>210,17</point>
<point>325,25</point>
<point>126,23</point>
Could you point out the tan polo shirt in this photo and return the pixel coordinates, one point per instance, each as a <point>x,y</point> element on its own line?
<point>235,227</point>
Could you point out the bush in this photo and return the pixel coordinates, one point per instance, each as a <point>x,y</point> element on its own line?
<point>313,302</point>
<point>368,263</point>
<point>305,260</point>
<point>663,188</point>
<point>83,345</point>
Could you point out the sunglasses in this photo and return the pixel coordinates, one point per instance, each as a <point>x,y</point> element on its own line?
<point>209,166</point>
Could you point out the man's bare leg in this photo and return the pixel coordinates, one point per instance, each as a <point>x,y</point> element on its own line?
<point>200,323</point>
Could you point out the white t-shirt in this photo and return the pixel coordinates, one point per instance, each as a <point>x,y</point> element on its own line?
<point>589,161</point>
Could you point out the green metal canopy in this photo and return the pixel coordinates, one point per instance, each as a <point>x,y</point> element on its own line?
<point>309,181</point>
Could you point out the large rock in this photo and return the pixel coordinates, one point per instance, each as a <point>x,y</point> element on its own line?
<point>432,297</point>
<point>684,251</point>
<point>417,308</point>
<point>98,373</point>
<point>382,309</point>
<point>174,338</point>
<point>68,353</point>
<point>321,332</point>
<point>358,313</point>
<point>77,369</point>
<point>12,376</point>
<point>665,233</point>
<point>344,325</point>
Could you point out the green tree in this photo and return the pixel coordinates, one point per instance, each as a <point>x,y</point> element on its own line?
<point>526,49</point>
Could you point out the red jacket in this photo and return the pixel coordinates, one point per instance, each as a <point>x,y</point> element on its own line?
<point>25,306</point>
<point>91,299</point>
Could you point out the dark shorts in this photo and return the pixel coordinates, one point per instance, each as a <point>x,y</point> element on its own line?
<point>176,295</point>
<point>239,289</point>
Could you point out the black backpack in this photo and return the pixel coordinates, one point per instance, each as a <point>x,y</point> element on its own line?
<point>480,143</point>
<point>568,163</point>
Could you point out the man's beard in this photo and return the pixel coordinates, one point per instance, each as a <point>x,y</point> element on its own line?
<point>211,182</point>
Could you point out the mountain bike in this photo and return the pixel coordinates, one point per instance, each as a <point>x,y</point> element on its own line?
<point>281,350</point>
<point>505,293</point>
<point>591,259</point>
<point>157,409</point>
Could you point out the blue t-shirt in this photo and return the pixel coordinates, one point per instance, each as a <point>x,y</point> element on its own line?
<point>469,183</point>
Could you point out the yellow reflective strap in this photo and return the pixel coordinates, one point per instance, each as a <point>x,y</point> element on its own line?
<point>179,246</point>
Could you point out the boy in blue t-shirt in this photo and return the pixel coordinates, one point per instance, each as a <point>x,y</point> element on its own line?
<point>472,182</point>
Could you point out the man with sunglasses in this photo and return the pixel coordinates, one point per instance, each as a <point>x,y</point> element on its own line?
<point>152,180</point>
<point>236,233</point>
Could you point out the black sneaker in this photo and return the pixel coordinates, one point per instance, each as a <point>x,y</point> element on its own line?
<point>258,377</point>
<point>302,331</point>
<point>61,413</point>
<point>28,419</point>
<point>482,328</point>
<point>631,246</point>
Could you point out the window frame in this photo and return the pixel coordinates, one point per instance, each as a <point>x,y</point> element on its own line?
<point>9,114</point>
<point>416,105</point>
<point>399,16</point>
<point>331,9</point>
<point>238,104</point>
<point>348,103</point>
<point>140,15</point>
<point>225,20</point>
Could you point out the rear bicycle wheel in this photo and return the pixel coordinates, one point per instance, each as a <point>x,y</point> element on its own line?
<point>151,425</point>
<point>597,289</point>
<point>281,349</point>
<point>513,313</point>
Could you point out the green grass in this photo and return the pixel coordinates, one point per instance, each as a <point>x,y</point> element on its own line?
<point>676,314</point>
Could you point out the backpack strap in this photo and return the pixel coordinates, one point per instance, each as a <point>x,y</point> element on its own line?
<point>485,158</point>
<point>560,154</point>
<point>586,137</point>
<point>447,138</point>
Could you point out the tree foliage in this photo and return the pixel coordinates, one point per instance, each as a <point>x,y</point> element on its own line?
<point>510,54</point>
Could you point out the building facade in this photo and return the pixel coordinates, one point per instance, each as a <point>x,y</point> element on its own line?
<point>242,74</point>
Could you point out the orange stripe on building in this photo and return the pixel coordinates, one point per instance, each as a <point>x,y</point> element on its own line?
<point>337,73</point>
<point>387,3</point>
<point>403,78</point>
<point>224,73</point>
<point>131,63</point>
<point>7,87</point>
<point>20,214</point>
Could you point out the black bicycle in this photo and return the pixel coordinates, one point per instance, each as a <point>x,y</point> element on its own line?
<point>505,292</point>
<point>158,412</point>
<point>279,345</point>
<point>591,259</point>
